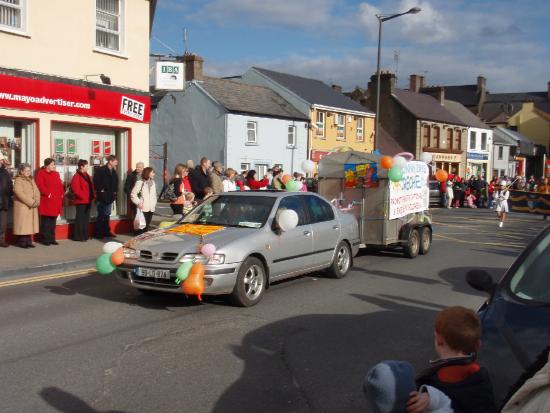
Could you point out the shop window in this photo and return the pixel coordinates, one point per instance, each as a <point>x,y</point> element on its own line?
<point>340,121</point>
<point>360,130</point>
<point>109,24</point>
<point>483,141</point>
<point>425,136</point>
<point>17,143</point>
<point>251,132</point>
<point>473,139</point>
<point>13,15</point>
<point>291,141</point>
<point>320,124</point>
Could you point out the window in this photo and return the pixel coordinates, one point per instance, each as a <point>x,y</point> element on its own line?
<point>340,121</point>
<point>473,138</point>
<point>278,165</point>
<point>447,143</point>
<point>435,141</point>
<point>360,130</point>
<point>13,14</point>
<point>291,136</point>
<point>296,204</point>
<point>320,124</point>
<point>457,140</point>
<point>261,171</point>
<point>109,24</point>
<point>319,210</point>
<point>251,128</point>
<point>500,151</point>
<point>245,166</point>
<point>426,136</point>
<point>483,141</point>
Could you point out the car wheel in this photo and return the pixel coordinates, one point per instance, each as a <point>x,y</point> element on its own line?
<point>342,261</point>
<point>251,282</point>
<point>413,245</point>
<point>425,240</point>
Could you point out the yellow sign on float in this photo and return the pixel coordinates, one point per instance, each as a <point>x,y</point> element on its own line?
<point>194,229</point>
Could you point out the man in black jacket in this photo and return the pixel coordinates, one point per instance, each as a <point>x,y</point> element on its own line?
<point>132,178</point>
<point>199,178</point>
<point>106,186</point>
<point>6,192</point>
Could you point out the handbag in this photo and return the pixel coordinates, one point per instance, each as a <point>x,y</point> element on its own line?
<point>139,220</point>
<point>170,193</point>
<point>69,194</point>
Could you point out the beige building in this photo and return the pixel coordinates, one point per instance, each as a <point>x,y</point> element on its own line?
<point>74,84</point>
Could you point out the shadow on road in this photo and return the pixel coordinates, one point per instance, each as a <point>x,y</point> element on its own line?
<point>456,276</point>
<point>68,403</point>
<point>318,362</point>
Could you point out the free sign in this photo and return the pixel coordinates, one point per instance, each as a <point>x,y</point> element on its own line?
<point>132,108</point>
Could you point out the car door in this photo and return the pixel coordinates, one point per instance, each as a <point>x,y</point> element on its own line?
<point>292,249</point>
<point>325,227</point>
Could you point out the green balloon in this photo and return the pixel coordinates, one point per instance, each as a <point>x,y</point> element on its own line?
<point>395,174</point>
<point>293,186</point>
<point>183,271</point>
<point>103,264</point>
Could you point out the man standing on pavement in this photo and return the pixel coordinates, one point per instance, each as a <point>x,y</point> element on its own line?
<point>216,177</point>
<point>106,186</point>
<point>6,192</point>
<point>199,178</point>
<point>52,191</point>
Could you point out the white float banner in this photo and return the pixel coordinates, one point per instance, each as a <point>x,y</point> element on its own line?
<point>412,193</point>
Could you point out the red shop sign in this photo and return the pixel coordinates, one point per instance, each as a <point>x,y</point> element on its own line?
<point>45,96</point>
<point>316,156</point>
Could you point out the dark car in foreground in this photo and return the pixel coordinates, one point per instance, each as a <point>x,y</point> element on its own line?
<point>516,317</point>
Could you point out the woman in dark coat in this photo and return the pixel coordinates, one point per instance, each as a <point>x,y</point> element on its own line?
<point>52,191</point>
<point>83,190</point>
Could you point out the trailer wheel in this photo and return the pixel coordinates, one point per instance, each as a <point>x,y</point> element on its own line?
<point>425,240</point>
<point>413,244</point>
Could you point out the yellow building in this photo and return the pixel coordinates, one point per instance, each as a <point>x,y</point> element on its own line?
<point>337,123</point>
<point>533,123</point>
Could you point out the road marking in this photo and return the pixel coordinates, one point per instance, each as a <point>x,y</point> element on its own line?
<point>39,278</point>
<point>494,244</point>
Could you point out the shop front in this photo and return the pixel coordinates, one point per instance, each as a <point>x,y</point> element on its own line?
<point>477,163</point>
<point>450,162</point>
<point>67,120</point>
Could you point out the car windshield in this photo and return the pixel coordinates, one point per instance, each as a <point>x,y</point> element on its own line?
<point>531,281</point>
<point>232,211</point>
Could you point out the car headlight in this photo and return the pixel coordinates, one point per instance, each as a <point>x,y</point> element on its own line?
<point>215,259</point>
<point>130,252</point>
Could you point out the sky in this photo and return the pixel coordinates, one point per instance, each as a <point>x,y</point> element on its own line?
<point>450,42</point>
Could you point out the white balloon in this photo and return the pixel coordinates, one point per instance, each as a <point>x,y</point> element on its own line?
<point>288,219</point>
<point>111,247</point>
<point>426,157</point>
<point>308,166</point>
<point>399,161</point>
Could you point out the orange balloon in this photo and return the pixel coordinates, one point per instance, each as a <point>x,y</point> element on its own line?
<point>441,175</point>
<point>286,178</point>
<point>386,162</point>
<point>117,257</point>
<point>194,283</point>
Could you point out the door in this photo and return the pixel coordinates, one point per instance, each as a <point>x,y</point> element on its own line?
<point>292,249</point>
<point>326,229</point>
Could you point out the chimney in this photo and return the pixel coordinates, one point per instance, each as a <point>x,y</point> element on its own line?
<point>337,88</point>
<point>437,92</point>
<point>193,67</point>
<point>387,83</point>
<point>481,83</point>
<point>416,82</point>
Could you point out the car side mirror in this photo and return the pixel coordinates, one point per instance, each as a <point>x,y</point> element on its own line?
<point>275,227</point>
<point>481,281</point>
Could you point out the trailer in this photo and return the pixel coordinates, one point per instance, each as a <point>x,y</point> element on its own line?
<point>389,213</point>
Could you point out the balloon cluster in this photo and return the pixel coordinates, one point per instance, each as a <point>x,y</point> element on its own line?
<point>113,255</point>
<point>396,165</point>
<point>192,273</point>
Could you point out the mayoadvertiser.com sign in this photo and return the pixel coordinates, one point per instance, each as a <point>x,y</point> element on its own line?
<point>45,96</point>
<point>411,194</point>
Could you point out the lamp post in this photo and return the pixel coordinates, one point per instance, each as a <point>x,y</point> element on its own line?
<point>381,19</point>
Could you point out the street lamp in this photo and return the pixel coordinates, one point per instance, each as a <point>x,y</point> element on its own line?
<point>381,19</point>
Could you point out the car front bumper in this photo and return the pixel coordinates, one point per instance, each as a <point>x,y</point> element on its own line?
<point>218,279</point>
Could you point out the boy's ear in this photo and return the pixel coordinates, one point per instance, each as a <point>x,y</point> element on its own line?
<point>439,340</point>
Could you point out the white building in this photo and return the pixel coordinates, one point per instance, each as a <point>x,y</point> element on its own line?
<point>514,153</point>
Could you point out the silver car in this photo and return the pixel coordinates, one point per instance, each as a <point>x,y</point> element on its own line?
<point>251,248</point>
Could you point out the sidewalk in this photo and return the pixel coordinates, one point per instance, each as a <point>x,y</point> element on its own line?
<point>67,256</point>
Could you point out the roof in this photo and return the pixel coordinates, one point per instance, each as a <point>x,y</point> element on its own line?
<point>465,115</point>
<point>241,97</point>
<point>313,91</point>
<point>424,106</point>
<point>499,106</point>
<point>387,144</point>
<point>468,95</point>
<point>502,138</point>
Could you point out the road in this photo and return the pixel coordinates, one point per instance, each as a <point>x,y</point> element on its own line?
<point>87,344</point>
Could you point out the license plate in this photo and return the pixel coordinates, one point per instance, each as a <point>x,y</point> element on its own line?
<point>152,273</point>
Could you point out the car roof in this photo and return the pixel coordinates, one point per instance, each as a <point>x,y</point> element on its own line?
<point>273,193</point>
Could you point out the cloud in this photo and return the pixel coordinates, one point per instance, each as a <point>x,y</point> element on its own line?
<point>428,26</point>
<point>367,17</point>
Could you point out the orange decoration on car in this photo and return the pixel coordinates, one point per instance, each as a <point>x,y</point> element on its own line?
<point>194,229</point>
<point>194,283</point>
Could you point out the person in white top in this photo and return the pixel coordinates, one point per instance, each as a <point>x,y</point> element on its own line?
<point>501,196</point>
<point>229,180</point>
<point>144,196</point>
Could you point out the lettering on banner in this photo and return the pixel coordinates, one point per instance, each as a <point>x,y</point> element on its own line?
<point>132,108</point>
<point>411,194</point>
